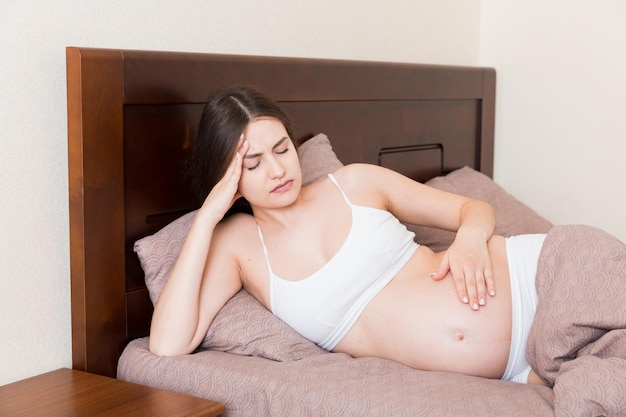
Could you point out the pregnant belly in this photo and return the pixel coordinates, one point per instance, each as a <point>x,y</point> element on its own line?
<point>421,323</point>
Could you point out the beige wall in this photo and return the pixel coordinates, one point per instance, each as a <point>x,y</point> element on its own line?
<point>34,266</point>
<point>561,106</point>
<point>560,138</point>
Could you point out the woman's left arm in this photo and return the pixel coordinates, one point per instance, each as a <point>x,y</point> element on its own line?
<point>467,259</point>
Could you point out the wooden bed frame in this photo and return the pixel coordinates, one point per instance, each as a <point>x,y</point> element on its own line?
<point>132,118</point>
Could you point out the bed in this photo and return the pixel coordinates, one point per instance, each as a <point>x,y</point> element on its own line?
<point>132,117</point>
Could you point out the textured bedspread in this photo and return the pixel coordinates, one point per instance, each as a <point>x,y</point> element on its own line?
<point>578,339</point>
<point>581,286</point>
<point>329,384</point>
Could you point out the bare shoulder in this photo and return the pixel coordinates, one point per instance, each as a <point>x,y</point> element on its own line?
<point>361,176</point>
<point>234,230</point>
<point>381,187</point>
<point>359,173</point>
<point>365,184</point>
<point>354,174</point>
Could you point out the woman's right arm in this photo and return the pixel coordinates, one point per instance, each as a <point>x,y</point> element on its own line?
<point>204,277</point>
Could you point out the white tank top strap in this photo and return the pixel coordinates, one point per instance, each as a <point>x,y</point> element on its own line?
<point>334,181</point>
<point>267,259</point>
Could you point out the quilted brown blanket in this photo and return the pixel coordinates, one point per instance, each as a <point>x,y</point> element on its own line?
<point>577,343</point>
<point>329,385</point>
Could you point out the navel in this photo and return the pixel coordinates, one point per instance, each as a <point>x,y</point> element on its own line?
<point>460,336</point>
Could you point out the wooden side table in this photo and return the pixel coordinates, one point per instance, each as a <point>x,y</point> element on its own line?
<point>67,393</point>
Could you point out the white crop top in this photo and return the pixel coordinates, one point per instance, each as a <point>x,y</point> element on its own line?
<point>324,306</point>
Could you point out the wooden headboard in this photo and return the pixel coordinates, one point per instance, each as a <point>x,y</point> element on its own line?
<point>132,119</point>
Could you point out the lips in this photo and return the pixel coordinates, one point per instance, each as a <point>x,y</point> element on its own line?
<point>283,187</point>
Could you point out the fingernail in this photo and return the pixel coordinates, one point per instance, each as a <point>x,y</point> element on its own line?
<point>475,306</point>
<point>465,300</point>
<point>492,292</point>
<point>482,301</point>
<point>433,274</point>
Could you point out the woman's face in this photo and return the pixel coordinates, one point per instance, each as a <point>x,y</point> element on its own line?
<point>271,175</point>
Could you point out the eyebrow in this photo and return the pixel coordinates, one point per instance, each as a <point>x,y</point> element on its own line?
<point>276,145</point>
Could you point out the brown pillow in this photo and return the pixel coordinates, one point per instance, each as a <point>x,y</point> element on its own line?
<point>317,159</point>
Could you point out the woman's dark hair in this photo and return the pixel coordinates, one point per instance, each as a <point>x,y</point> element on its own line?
<point>225,117</point>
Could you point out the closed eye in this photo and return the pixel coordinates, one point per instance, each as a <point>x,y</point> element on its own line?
<point>255,166</point>
<point>258,155</point>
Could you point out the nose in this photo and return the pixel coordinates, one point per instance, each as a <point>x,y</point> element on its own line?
<point>276,168</point>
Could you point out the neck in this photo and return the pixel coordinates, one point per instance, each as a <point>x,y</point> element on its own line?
<point>280,217</point>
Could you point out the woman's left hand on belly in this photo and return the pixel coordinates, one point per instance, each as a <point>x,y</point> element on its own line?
<point>469,264</point>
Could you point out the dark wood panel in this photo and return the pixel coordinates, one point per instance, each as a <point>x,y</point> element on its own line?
<point>191,77</point>
<point>139,313</point>
<point>96,185</point>
<point>358,130</point>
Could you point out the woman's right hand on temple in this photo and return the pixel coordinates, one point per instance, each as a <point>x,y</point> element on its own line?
<point>225,192</point>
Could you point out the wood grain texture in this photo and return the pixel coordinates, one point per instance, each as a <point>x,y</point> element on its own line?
<point>70,393</point>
